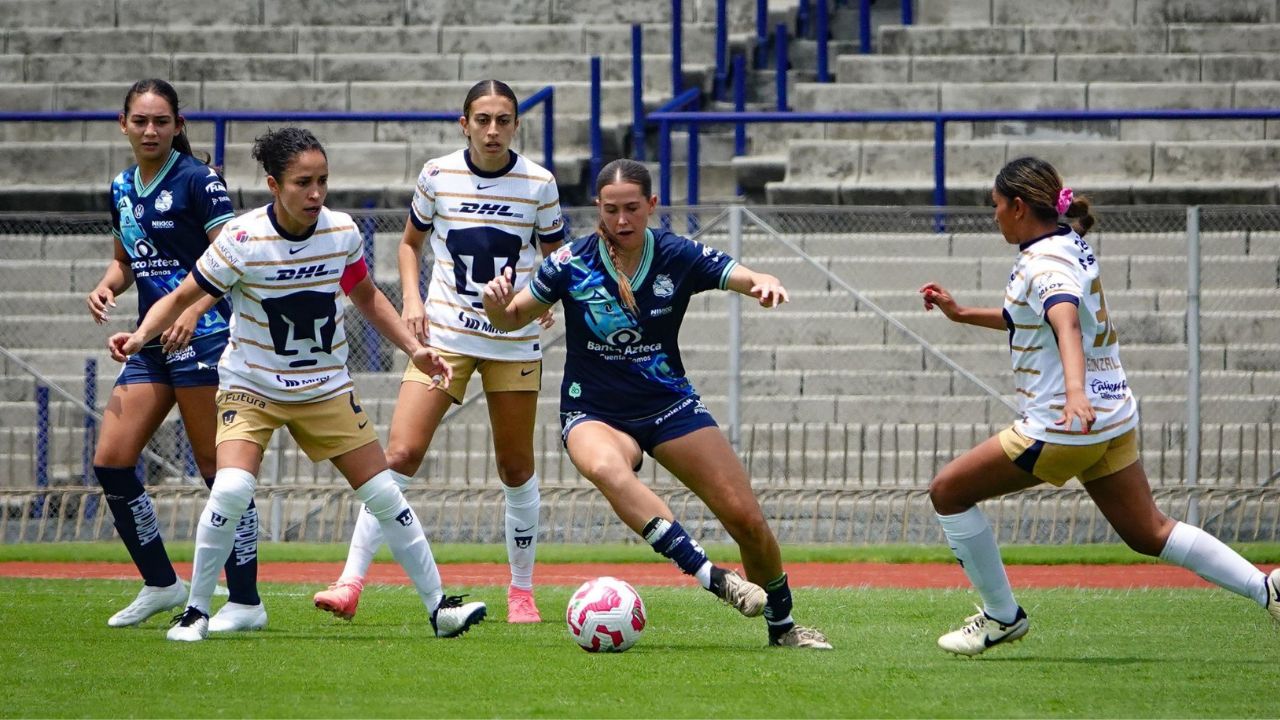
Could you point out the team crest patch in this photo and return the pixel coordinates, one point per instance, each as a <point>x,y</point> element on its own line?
<point>164,202</point>
<point>663,287</point>
<point>228,417</point>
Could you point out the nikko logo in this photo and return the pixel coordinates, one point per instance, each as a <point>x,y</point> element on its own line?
<point>302,273</point>
<point>487,209</point>
<point>164,202</point>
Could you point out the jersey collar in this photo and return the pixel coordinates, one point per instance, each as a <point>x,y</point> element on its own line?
<point>1060,230</point>
<point>646,258</point>
<point>145,190</point>
<point>511,163</point>
<point>271,215</point>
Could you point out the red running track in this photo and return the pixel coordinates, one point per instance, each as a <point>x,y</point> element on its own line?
<point>831,575</point>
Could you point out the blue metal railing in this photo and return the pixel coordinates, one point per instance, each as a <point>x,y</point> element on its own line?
<point>220,118</point>
<point>666,119</point>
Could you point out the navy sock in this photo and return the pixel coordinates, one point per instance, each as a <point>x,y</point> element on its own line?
<point>673,543</point>
<point>136,523</point>
<point>777,609</point>
<point>242,564</point>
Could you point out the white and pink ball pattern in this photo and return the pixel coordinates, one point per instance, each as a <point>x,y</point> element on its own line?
<point>605,615</point>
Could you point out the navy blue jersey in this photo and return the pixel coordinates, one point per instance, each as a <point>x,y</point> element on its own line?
<point>164,227</point>
<point>620,364</point>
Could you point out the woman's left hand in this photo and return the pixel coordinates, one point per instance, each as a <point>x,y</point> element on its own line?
<point>433,366</point>
<point>1076,407</point>
<point>768,290</point>
<point>180,332</point>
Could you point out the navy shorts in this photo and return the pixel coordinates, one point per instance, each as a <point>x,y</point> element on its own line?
<point>195,365</point>
<point>649,432</point>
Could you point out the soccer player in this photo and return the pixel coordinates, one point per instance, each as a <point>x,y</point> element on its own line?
<point>165,210</point>
<point>486,209</point>
<point>625,289</point>
<point>285,265</point>
<point>1078,417</point>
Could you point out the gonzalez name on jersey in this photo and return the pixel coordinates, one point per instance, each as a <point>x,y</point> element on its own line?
<point>1057,268</point>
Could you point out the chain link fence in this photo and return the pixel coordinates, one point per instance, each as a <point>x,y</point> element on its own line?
<point>842,404</point>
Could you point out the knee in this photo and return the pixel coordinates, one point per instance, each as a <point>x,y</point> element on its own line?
<point>748,528</point>
<point>514,472</point>
<point>942,496</point>
<point>404,459</point>
<point>606,473</point>
<point>1147,538</point>
<point>232,492</point>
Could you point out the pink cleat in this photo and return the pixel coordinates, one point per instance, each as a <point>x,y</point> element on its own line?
<point>341,598</point>
<point>520,606</point>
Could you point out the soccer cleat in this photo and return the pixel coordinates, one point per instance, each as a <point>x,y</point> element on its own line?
<point>982,632</point>
<point>452,617</point>
<point>236,616</point>
<point>802,637</point>
<point>150,601</point>
<point>192,625</point>
<point>520,606</point>
<point>341,598</point>
<point>1273,593</point>
<point>745,596</point>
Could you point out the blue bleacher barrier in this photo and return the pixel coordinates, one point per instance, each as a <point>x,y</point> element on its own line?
<point>42,448</point>
<point>666,118</point>
<point>90,434</point>
<point>597,137</point>
<point>637,94</point>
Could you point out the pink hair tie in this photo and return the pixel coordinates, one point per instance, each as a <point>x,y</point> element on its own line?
<point>1065,196</point>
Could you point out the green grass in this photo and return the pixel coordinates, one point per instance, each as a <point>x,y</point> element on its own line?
<point>1150,653</point>
<point>1261,553</point>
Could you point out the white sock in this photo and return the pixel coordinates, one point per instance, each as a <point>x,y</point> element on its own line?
<point>1205,555</point>
<point>403,533</point>
<point>523,506</point>
<point>216,532</point>
<point>974,544</point>
<point>366,538</point>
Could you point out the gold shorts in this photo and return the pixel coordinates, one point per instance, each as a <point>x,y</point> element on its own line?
<point>497,375</point>
<point>324,429</point>
<point>1057,464</point>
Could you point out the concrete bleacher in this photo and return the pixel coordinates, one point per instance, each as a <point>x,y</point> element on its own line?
<point>379,56</point>
<point>1069,55</point>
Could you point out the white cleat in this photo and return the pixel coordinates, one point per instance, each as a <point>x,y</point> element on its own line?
<point>150,601</point>
<point>191,626</point>
<point>1273,594</point>
<point>745,596</point>
<point>802,637</point>
<point>235,616</point>
<point>982,632</point>
<point>454,617</point>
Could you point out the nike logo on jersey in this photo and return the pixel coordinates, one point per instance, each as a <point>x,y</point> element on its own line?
<point>361,425</point>
<point>530,371</point>
<point>295,251</point>
<point>486,187</point>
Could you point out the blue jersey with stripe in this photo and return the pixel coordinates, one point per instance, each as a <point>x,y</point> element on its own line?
<point>163,227</point>
<point>622,364</point>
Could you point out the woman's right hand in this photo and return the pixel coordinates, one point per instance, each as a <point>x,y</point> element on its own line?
<point>500,291</point>
<point>937,296</point>
<point>100,301</point>
<point>414,316</point>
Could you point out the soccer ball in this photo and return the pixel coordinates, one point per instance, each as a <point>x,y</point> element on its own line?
<point>605,615</point>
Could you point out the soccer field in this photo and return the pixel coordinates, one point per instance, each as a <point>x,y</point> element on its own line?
<point>1090,653</point>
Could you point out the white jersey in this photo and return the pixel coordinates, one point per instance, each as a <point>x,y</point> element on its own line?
<point>480,223</point>
<point>1053,269</point>
<point>288,341</point>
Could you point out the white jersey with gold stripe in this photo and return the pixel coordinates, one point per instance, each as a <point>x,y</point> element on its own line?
<point>1062,268</point>
<point>287,341</point>
<point>480,223</point>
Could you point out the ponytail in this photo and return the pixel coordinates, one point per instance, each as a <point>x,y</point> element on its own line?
<point>624,283</point>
